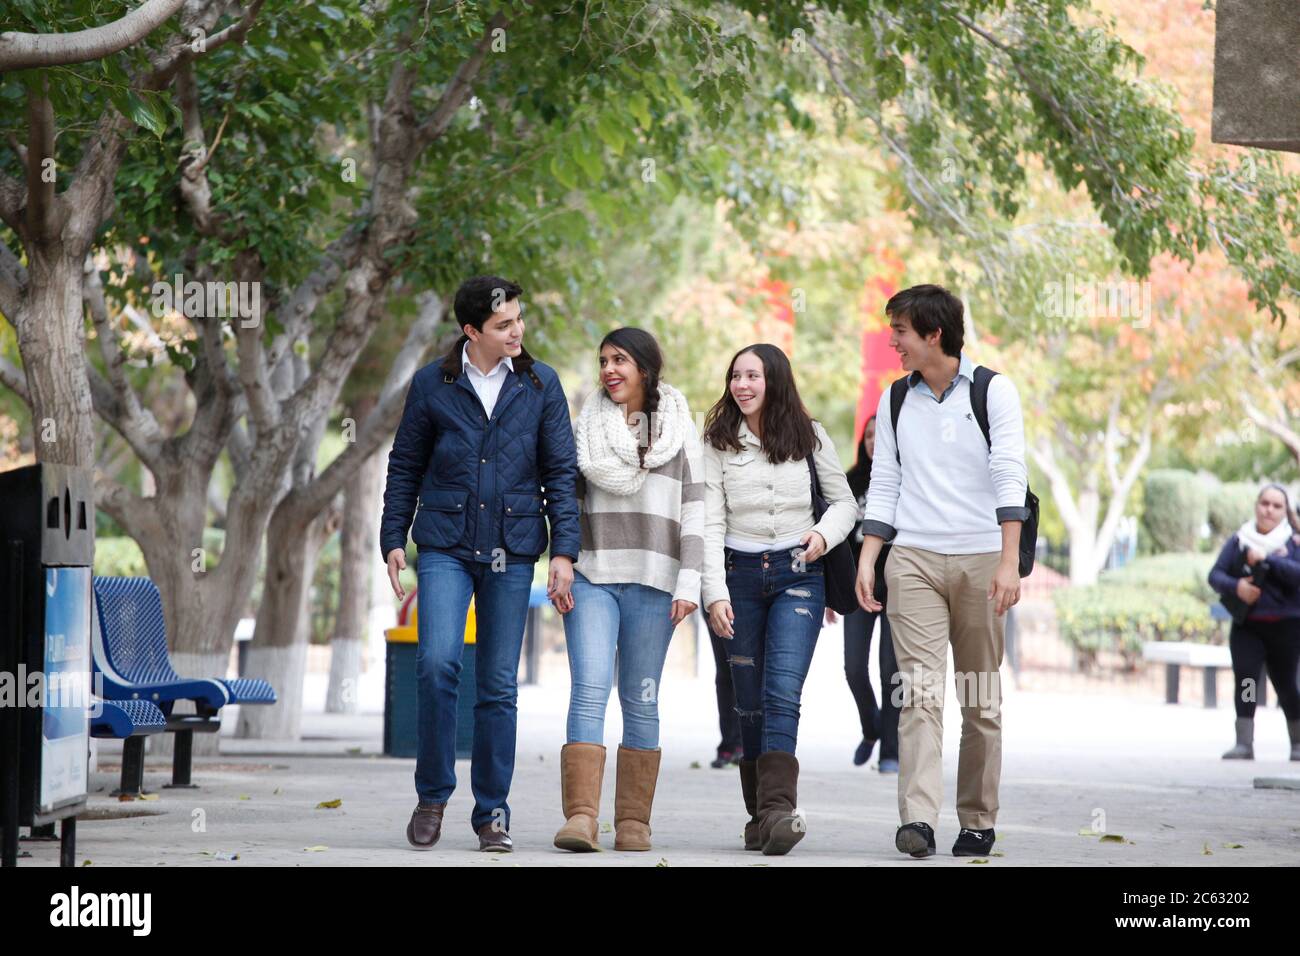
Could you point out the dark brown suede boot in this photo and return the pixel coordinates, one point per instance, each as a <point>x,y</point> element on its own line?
<point>425,827</point>
<point>749,789</point>
<point>781,825</point>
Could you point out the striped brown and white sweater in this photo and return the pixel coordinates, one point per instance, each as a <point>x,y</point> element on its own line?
<point>654,537</point>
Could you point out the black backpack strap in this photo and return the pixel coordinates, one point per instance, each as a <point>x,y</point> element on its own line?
<point>897,392</point>
<point>979,400</point>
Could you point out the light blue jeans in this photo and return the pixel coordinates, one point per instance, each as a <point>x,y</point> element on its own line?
<point>623,626</point>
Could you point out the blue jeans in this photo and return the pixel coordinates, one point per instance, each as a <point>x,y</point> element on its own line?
<point>501,607</point>
<point>778,607</point>
<point>636,622</point>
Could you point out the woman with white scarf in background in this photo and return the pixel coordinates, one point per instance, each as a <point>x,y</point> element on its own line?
<point>641,495</point>
<point>1258,575</point>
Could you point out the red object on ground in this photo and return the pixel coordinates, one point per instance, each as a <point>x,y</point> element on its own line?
<point>404,612</point>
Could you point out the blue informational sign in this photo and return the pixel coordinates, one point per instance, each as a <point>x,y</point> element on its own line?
<point>65,737</point>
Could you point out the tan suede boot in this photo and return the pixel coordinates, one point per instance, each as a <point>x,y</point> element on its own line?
<point>582,767</point>
<point>634,794</point>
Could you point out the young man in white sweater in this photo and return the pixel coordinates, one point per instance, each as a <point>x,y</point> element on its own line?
<point>952,504</point>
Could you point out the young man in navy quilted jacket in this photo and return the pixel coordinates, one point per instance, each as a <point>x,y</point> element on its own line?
<point>485,449</point>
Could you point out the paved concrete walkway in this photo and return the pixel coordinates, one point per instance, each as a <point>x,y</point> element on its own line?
<point>1141,770</point>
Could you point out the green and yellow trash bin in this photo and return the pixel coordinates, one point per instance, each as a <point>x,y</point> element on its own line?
<point>400,699</point>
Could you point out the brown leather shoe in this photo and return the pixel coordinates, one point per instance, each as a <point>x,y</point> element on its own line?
<point>492,840</point>
<point>426,826</point>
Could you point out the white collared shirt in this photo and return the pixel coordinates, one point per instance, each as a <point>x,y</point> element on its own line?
<point>488,386</point>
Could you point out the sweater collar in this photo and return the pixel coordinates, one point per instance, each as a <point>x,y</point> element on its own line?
<point>965,369</point>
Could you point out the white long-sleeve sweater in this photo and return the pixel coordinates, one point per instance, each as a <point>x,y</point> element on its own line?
<point>748,497</point>
<point>951,492</point>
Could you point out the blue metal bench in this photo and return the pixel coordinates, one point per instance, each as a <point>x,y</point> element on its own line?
<point>129,642</point>
<point>129,721</point>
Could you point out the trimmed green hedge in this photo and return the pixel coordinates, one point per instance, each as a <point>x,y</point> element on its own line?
<point>1164,597</point>
<point>1178,572</point>
<point>1231,504</point>
<point>1122,618</point>
<point>1175,506</point>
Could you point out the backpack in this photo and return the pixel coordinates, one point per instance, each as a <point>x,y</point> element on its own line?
<point>979,404</point>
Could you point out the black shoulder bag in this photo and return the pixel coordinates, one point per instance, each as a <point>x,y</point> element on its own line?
<point>840,563</point>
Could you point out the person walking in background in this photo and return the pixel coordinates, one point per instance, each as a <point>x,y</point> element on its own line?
<point>1258,575</point>
<point>953,503</point>
<point>641,494</point>
<point>484,429</point>
<point>879,721</point>
<point>763,570</point>
<point>729,752</point>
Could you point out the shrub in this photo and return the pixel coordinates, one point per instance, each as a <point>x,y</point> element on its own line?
<point>1175,508</point>
<point>1123,617</point>
<point>119,558</point>
<point>1230,504</point>
<point>1176,572</point>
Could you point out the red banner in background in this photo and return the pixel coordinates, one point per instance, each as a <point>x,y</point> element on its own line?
<point>880,365</point>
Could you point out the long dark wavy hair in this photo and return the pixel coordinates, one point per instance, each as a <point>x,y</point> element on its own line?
<point>860,474</point>
<point>787,427</point>
<point>644,350</point>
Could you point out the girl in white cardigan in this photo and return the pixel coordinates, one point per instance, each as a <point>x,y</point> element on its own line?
<point>763,579</point>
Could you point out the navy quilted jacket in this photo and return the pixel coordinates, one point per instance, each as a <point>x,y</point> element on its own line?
<point>483,485</point>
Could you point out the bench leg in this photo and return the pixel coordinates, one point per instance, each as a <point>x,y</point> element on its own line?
<point>1211,677</point>
<point>1261,690</point>
<point>68,845</point>
<point>182,760</point>
<point>132,784</point>
<point>1171,683</point>
<point>43,833</point>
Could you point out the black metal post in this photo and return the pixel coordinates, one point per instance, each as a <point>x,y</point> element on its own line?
<point>132,784</point>
<point>68,845</point>
<point>1171,683</point>
<point>182,760</point>
<point>1211,678</point>
<point>9,723</point>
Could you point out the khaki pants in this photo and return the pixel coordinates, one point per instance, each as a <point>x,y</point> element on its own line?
<point>933,599</point>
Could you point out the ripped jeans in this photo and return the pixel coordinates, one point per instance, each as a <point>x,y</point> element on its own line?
<point>778,606</point>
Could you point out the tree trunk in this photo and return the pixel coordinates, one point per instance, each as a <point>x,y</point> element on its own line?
<point>358,549</point>
<point>1083,556</point>
<point>278,653</point>
<point>51,341</point>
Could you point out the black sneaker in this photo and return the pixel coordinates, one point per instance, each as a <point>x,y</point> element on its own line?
<point>726,758</point>
<point>916,839</point>
<point>973,842</point>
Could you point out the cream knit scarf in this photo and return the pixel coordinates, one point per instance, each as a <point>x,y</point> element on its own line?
<point>607,447</point>
<point>1248,536</point>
